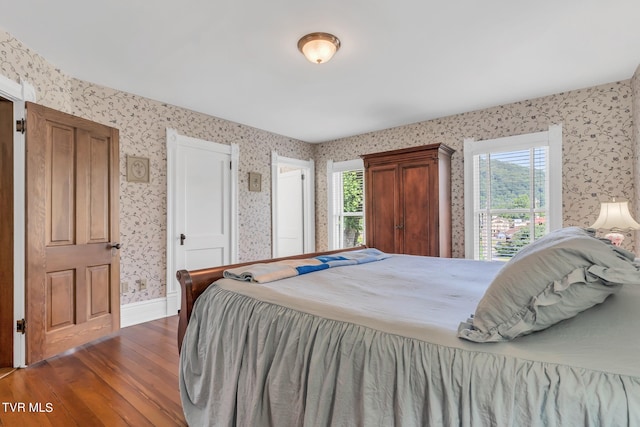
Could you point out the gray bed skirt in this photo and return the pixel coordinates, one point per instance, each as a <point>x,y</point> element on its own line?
<point>245,362</point>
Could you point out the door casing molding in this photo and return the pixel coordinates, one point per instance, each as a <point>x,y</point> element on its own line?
<point>18,93</point>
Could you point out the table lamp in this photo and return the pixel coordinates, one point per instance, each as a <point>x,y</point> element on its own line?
<point>615,216</point>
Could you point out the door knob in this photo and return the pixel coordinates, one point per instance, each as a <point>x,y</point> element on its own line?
<point>116,245</point>
<point>182,239</point>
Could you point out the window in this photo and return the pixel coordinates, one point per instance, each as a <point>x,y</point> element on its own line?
<point>345,203</point>
<point>513,192</point>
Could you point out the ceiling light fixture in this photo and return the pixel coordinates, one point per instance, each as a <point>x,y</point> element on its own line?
<point>319,47</point>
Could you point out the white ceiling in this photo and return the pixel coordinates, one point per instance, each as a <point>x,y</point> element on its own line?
<point>401,61</point>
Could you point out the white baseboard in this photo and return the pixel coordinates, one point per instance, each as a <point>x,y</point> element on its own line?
<point>173,303</point>
<point>145,311</point>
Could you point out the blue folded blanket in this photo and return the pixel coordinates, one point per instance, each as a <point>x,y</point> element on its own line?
<point>268,272</point>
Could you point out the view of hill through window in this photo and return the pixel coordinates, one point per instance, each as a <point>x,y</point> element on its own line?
<point>511,201</point>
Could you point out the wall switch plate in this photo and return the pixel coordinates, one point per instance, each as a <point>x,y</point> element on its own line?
<point>142,284</point>
<point>124,287</point>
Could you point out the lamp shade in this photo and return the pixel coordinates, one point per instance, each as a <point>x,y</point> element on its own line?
<point>615,216</point>
<point>319,47</point>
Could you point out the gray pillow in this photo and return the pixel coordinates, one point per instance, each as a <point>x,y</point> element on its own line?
<point>552,279</point>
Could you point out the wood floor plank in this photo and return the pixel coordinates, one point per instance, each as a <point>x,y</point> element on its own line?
<point>42,395</point>
<point>128,379</point>
<point>141,399</point>
<point>162,355</point>
<point>105,402</point>
<point>155,399</point>
<point>5,371</point>
<point>14,407</point>
<point>140,368</point>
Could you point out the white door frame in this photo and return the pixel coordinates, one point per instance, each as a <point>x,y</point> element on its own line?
<point>308,202</point>
<point>18,93</point>
<point>174,139</point>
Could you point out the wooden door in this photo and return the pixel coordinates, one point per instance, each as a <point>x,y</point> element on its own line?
<point>6,234</point>
<point>72,277</point>
<point>381,195</point>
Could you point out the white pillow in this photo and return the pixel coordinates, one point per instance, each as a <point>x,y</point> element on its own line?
<point>552,279</point>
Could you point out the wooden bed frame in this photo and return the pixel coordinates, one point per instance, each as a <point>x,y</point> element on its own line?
<point>193,283</point>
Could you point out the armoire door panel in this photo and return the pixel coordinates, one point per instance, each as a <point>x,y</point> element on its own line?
<point>381,196</point>
<point>417,221</point>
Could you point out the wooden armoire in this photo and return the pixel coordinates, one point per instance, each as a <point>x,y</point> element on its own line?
<point>408,200</point>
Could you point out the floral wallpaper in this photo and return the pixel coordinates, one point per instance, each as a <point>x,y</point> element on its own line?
<point>142,124</point>
<point>598,136</point>
<point>598,154</point>
<point>635,119</point>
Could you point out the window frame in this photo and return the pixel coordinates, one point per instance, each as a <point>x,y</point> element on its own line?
<point>337,167</point>
<point>551,138</point>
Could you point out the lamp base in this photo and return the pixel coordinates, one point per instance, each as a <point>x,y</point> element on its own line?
<point>616,238</point>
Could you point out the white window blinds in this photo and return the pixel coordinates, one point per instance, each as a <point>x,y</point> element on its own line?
<point>511,193</point>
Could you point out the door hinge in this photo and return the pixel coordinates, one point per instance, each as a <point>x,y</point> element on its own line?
<point>21,125</point>
<point>21,326</point>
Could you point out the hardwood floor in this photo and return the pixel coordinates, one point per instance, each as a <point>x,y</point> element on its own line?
<point>127,379</point>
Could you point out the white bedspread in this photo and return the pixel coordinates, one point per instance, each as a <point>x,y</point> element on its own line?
<point>427,298</point>
<point>376,345</point>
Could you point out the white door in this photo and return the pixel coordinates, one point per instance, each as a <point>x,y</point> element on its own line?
<point>293,209</point>
<point>203,201</point>
<point>291,213</point>
<point>202,204</point>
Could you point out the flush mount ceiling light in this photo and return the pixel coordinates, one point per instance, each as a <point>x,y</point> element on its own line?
<point>319,47</point>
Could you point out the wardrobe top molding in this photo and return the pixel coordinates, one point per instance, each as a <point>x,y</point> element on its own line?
<point>397,155</point>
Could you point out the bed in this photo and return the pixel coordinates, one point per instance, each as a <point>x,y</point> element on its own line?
<point>383,344</point>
